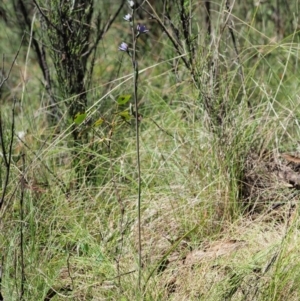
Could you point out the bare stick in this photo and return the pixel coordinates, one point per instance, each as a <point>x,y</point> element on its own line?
<point>6,156</point>
<point>208,18</point>
<point>12,64</point>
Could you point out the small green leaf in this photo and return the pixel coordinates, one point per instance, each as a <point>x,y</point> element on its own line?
<point>123,99</point>
<point>125,115</point>
<point>98,122</point>
<point>84,248</point>
<point>79,118</point>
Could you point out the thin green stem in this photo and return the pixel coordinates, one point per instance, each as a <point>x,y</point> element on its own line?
<point>22,289</point>
<point>135,97</point>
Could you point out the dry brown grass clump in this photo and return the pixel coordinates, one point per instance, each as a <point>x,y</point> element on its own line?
<point>271,180</point>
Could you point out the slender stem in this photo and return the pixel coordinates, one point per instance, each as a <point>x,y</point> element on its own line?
<point>21,229</point>
<point>1,269</point>
<point>135,96</point>
<point>139,172</point>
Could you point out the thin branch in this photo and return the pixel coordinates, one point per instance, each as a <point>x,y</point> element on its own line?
<point>12,64</point>
<point>46,18</point>
<point>104,29</point>
<point>186,29</point>
<point>3,144</point>
<point>7,156</point>
<point>69,270</point>
<point>208,18</point>
<point>163,130</point>
<point>176,45</point>
<point>53,292</point>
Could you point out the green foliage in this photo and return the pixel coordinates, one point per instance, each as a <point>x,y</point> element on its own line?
<point>123,99</point>
<point>79,118</point>
<point>125,115</point>
<point>200,122</point>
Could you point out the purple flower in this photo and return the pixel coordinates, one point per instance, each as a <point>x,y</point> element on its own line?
<point>141,29</point>
<point>128,18</point>
<point>123,47</point>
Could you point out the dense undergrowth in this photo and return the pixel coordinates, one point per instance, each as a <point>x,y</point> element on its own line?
<point>219,217</point>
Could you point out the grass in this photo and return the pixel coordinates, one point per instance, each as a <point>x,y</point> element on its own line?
<point>200,241</point>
